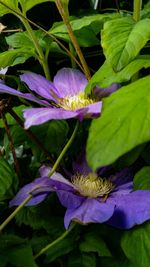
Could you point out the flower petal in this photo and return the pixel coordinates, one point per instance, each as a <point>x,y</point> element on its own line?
<point>38,84</point>
<point>4,89</point>
<point>39,188</point>
<point>90,111</point>
<point>131,209</point>
<point>36,116</point>
<point>69,82</point>
<point>104,92</point>
<point>91,210</point>
<point>69,199</point>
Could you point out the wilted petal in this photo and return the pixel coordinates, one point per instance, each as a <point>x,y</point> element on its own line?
<point>90,111</point>
<point>39,189</point>
<point>69,82</point>
<point>91,210</point>
<point>131,209</point>
<point>39,84</point>
<point>4,89</point>
<point>36,116</point>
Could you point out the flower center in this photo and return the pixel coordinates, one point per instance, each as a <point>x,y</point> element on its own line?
<point>92,186</point>
<point>75,102</point>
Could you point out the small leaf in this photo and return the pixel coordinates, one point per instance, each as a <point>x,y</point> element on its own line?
<point>14,57</point>
<point>94,243</point>
<point>122,40</point>
<point>123,125</point>
<point>136,245</point>
<point>142,179</point>
<point>82,260</point>
<point>10,119</point>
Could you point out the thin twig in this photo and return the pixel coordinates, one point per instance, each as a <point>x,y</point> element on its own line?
<point>73,38</point>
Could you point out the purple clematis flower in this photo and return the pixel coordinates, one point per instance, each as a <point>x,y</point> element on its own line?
<point>92,199</point>
<point>63,98</point>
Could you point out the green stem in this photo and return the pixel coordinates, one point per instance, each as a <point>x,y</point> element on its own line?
<point>64,150</point>
<point>20,15</point>
<point>50,174</point>
<point>55,242</point>
<point>137,9</point>
<point>13,214</point>
<point>39,50</point>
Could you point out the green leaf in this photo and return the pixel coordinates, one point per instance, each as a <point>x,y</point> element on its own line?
<point>94,243</point>
<point>105,76</point>
<point>23,40</point>
<point>63,247</point>
<point>142,179</point>
<point>10,119</point>
<point>82,27</point>
<point>123,125</point>
<point>82,260</point>
<point>136,245</point>
<point>122,40</point>
<point>12,4</point>
<point>145,12</point>
<point>7,179</point>
<point>16,251</point>
<point>14,57</point>
<point>112,262</point>
<point>53,134</point>
<point>28,4</point>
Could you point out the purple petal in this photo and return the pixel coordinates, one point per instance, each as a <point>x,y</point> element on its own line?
<point>131,209</point>
<point>36,116</point>
<point>39,84</point>
<point>90,111</point>
<point>123,189</point>
<point>123,177</point>
<point>4,89</point>
<point>44,170</point>
<point>104,92</point>
<point>70,199</point>
<point>91,210</point>
<point>39,188</point>
<point>69,82</point>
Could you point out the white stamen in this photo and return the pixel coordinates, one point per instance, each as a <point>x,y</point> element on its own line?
<point>92,186</point>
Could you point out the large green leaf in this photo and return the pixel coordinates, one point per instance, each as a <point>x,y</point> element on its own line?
<point>142,179</point>
<point>14,57</point>
<point>136,245</point>
<point>122,40</point>
<point>105,76</point>
<point>123,125</point>
<point>83,28</point>
<point>7,179</point>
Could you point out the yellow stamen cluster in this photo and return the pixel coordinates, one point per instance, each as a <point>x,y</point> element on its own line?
<point>92,186</point>
<point>75,102</point>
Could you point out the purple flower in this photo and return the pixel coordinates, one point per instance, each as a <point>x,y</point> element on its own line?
<point>92,199</point>
<point>63,99</point>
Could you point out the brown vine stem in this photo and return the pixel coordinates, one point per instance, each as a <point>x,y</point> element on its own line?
<point>30,134</point>
<point>11,143</point>
<point>73,38</point>
<point>19,14</point>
